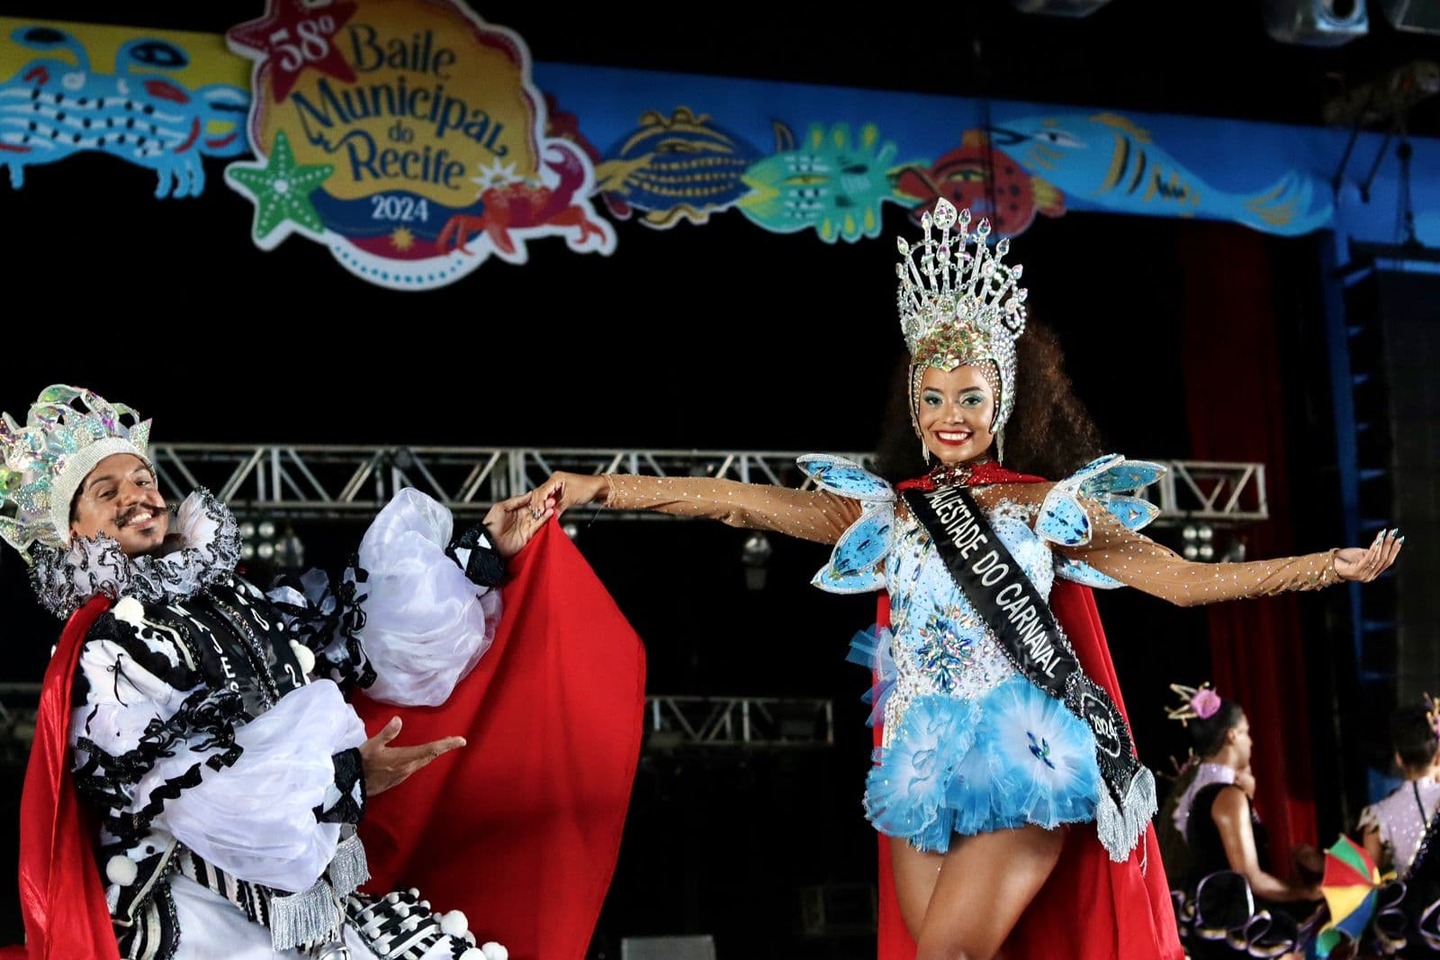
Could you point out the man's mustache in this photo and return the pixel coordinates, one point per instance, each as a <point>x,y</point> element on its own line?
<point>125,518</point>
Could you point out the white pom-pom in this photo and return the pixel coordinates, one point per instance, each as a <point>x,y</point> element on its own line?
<point>121,869</point>
<point>128,610</point>
<point>304,655</point>
<point>455,923</point>
<point>472,954</point>
<point>494,951</point>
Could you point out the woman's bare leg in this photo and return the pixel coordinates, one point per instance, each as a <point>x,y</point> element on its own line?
<point>916,873</point>
<point>968,907</point>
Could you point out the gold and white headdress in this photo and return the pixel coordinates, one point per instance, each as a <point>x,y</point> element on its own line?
<point>960,303</point>
<point>66,433</point>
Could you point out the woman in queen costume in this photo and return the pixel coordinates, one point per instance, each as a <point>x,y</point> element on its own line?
<point>1005,778</point>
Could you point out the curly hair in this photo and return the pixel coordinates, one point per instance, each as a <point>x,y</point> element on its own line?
<point>1049,434</point>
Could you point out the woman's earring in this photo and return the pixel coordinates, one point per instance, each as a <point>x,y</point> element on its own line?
<point>925,453</point>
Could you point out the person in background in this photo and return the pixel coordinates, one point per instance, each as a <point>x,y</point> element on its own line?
<point>1006,785</point>
<point>1391,828</point>
<point>1224,835</point>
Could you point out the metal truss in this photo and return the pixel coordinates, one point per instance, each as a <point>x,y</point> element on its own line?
<point>1204,491</point>
<point>756,722</point>
<point>671,722</point>
<point>354,482</point>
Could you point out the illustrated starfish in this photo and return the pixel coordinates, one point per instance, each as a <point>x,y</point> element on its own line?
<point>281,190</point>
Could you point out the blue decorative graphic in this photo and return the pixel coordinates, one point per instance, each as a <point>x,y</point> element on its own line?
<point>55,106</point>
<point>683,167</point>
<point>827,184</point>
<point>1108,160</point>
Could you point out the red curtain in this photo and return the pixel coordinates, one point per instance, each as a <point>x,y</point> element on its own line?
<point>1237,413</point>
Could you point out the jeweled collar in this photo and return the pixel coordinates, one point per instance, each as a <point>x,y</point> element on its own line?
<point>209,548</point>
<point>975,473</point>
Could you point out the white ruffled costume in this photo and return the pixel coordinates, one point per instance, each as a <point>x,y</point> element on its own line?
<point>198,731</point>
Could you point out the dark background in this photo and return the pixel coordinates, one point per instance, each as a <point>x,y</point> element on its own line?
<point>721,337</point>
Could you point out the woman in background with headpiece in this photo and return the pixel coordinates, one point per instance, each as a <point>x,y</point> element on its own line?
<point>1005,779</point>
<point>1226,840</point>
<point>1391,828</point>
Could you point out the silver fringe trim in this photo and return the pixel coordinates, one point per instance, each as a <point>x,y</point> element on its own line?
<point>1120,829</point>
<point>308,917</point>
<point>348,868</point>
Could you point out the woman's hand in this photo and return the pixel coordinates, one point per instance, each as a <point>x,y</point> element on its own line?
<point>1367,563</point>
<point>565,490</point>
<point>385,766</point>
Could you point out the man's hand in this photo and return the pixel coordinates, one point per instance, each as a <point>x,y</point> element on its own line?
<point>511,523</point>
<point>385,766</point>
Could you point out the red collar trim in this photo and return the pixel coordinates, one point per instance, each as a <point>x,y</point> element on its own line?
<point>968,475</point>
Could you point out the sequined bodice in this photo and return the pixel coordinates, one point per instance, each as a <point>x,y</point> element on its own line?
<point>940,643</point>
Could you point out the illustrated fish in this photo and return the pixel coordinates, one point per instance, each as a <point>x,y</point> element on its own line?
<point>681,167</point>
<point>1108,160</point>
<point>828,183</point>
<point>987,181</point>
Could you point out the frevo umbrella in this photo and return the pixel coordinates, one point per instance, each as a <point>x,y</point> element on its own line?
<point>1350,886</point>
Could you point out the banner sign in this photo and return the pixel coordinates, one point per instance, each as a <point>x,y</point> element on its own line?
<point>411,139</point>
<point>160,99</point>
<point>408,138</point>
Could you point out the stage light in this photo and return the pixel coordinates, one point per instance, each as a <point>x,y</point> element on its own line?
<point>265,541</point>
<point>570,530</point>
<point>755,555</point>
<point>1316,23</point>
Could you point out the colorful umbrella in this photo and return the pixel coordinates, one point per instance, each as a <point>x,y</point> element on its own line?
<point>1350,886</point>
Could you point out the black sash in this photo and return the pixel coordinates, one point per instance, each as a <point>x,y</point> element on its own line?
<point>1021,620</point>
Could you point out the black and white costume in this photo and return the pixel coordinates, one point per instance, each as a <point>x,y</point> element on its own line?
<point>212,737</point>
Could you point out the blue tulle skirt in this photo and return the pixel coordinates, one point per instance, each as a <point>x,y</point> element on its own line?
<point>1010,757</point>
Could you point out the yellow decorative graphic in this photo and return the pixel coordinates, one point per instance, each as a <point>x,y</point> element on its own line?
<point>433,133</point>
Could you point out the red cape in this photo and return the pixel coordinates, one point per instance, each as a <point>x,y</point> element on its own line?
<point>1090,908</point>
<point>521,827</point>
<point>61,896</point>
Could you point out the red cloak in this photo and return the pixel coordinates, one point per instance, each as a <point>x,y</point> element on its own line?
<point>521,827</point>
<point>61,896</point>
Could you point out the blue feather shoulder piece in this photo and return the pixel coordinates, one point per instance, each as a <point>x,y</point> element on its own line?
<point>854,565</point>
<point>1111,480</point>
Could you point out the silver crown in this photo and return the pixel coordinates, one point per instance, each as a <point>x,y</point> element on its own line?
<point>959,302</point>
